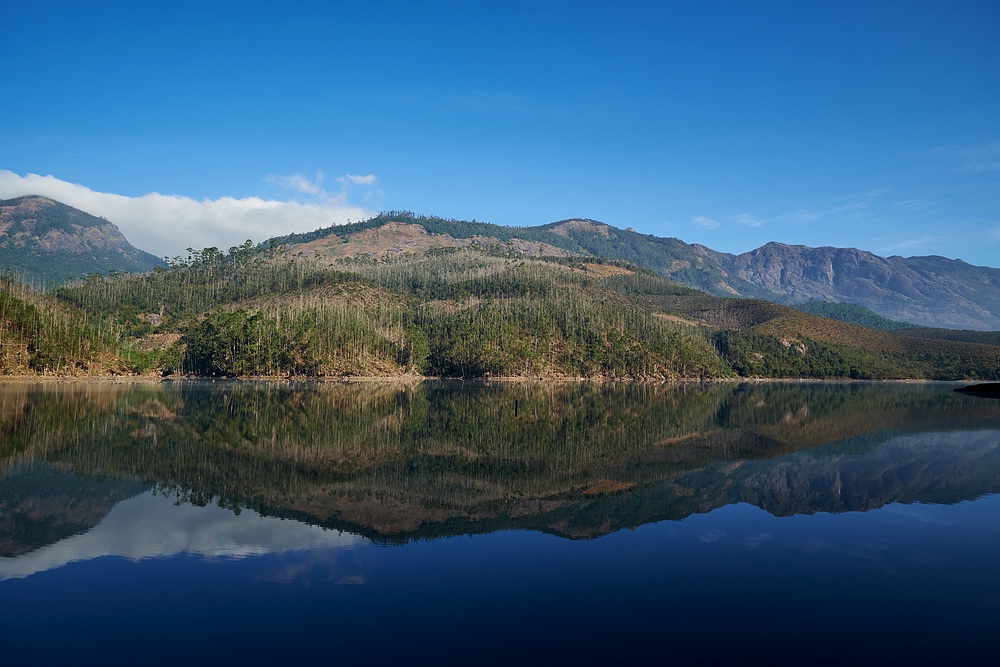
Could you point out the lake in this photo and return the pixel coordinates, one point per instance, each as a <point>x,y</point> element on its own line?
<point>488,523</point>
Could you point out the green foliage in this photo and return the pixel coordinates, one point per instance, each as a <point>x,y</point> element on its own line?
<point>964,336</point>
<point>298,342</point>
<point>513,337</point>
<point>752,354</point>
<point>851,313</point>
<point>467,313</point>
<point>38,334</point>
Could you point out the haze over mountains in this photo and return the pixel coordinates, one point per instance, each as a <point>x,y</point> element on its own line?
<point>49,241</point>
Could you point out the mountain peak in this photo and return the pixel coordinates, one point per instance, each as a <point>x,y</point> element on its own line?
<point>566,228</point>
<point>46,240</point>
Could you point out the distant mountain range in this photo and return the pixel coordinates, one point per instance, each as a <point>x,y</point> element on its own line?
<point>44,241</point>
<point>928,291</point>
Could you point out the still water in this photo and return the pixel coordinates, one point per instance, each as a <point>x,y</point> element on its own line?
<point>461,523</point>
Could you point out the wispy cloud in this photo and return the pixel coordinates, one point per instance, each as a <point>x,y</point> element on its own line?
<point>849,207</point>
<point>913,205</point>
<point>368,185</point>
<point>925,243</point>
<point>299,183</point>
<point>970,159</point>
<point>166,225</point>
<point>749,220</point>
<point>802,216</point>
<point>704,222</point>
<point>360,180</point>
<point>858,203</point>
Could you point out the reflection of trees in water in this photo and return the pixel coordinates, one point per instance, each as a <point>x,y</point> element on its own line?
<point>396,458</point>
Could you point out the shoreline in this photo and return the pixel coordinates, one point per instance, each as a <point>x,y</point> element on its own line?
<point>415,379</point>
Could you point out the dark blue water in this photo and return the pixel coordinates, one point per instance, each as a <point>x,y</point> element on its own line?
<point>879,547</point>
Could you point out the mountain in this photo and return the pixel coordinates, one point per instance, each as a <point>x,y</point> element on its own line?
<point>400,295</point>
<point>928,291</point>
<point>45,241</point>
<point>326,308</point>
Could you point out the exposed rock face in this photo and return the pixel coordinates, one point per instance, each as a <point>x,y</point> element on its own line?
<point>399,238</point>
<point>569,228</point>
<point>42,239</point>
<point>932,291</point>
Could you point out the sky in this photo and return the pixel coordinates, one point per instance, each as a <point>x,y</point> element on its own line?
<point>872,124</point>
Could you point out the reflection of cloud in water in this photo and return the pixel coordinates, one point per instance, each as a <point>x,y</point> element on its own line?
<point>754,541</point>
<point>712,535</point>
<point>150,526</point>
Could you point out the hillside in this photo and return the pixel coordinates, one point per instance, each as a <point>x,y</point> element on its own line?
<point>42,335</point>
<point>483,311</point>
<point>402,295</point>
<point>457,313</point>
<point>927,291</point>
<point>45,242</point>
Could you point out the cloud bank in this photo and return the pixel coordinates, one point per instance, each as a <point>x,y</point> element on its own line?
<point>166,225</point>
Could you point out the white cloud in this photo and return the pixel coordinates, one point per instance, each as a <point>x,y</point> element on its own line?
<point>749,220</point>
<point>361,180</point>
<point>704,222</point>
<point>166,225</point>
<point>299,183</point>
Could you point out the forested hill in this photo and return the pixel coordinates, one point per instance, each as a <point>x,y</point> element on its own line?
<point>475,311</point>
<point>928,291</point>
<point>44,242</point>
<point>407,296</point>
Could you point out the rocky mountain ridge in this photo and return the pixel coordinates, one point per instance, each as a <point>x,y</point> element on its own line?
<point>929,291</point>
<point>45,241</point>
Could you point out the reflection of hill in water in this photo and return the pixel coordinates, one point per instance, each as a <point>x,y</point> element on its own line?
<point>40,505</point>
<point>395,461</point>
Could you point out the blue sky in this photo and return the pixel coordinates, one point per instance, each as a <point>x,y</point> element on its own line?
<point>867,124</point>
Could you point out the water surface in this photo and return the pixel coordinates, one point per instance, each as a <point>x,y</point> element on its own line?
<point>462,522</point>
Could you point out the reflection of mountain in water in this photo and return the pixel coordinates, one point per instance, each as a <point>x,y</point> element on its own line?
<point>394,461</point>
<point>152,526</point>
<point>40,505</point>
<point>926,467</point>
